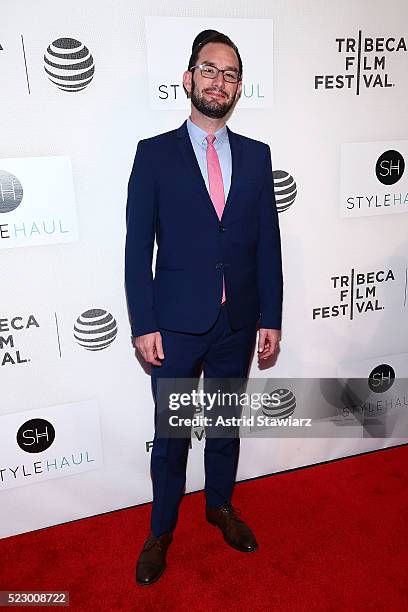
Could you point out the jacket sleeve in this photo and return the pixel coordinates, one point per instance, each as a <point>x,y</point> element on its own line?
<point>140,235</point>
<point>269,257</point>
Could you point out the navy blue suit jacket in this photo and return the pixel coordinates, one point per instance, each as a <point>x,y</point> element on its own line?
<point>168,199</point>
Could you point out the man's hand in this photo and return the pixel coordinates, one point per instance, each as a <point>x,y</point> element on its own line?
<point>151,347</point>
<point>268,342</point>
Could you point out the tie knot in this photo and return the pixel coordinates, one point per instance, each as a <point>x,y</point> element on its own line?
<point>210,138</point>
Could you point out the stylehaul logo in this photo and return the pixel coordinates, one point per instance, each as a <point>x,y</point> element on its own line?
<point>381,378</point>
<point>11,192</point>
<point>365,61</point>
<point>37,202</point>
<point>374,180</point>
<point>60,441</point>
<point>376,395</point>
<point>357,294</point>
<point>35,436</point>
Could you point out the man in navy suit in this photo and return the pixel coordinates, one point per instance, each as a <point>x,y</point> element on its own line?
<point>206,194</point>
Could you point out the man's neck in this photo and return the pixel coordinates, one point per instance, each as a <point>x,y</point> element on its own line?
<point>208,124</point>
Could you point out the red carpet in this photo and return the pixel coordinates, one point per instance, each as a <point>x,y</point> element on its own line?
<point>332,537</point>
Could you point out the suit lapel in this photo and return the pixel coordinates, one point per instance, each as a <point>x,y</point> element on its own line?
<point>188,154</point>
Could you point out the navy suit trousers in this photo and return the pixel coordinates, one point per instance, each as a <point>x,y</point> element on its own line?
<point>221,352</point>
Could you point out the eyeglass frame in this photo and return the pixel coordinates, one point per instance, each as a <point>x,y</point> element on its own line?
<point>201,66</point>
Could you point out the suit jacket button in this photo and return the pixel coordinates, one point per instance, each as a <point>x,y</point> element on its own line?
<point>218,265</point>
<point>222,228</point>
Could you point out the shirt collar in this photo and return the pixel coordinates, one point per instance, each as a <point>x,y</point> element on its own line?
<point>199,135</point>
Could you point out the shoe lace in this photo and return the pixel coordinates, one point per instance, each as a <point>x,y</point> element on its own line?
<point>231,511</point>
<point>154,542</point>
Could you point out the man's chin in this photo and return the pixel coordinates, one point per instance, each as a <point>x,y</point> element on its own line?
<point>214,113</point>
<point>214,110</point>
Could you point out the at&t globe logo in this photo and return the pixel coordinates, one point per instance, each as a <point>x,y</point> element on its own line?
<point>95,329</point>
<point>284,407</point>
<point>285,189</point>
<point>69,64</point>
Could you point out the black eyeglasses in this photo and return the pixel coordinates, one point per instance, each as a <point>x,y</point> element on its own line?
<point>211,72</point>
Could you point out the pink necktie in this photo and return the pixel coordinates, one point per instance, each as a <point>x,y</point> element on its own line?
<point>216,186</point>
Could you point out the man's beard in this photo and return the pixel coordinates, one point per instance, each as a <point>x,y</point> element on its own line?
<point>215,108</point>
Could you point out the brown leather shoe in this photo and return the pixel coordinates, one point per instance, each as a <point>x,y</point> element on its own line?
<point>152,560</point>
<point>236,533</point>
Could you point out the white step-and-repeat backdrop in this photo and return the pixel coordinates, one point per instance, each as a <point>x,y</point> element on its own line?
<point>326,86</point>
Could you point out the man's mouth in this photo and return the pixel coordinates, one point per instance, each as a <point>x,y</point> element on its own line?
<point>216,94</point>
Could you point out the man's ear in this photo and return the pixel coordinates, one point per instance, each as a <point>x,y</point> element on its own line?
<point>187,76</point>
<point>239,90</point>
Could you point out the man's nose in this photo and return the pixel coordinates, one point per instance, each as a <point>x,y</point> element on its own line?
<point>219,80</point>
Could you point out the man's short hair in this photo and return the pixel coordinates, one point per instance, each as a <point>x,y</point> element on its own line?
<point>212,36</point>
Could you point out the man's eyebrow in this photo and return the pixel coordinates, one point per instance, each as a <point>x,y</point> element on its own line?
<point>215,66</point>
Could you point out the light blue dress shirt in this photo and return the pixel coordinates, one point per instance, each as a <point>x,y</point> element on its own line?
<point>222,146</point>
